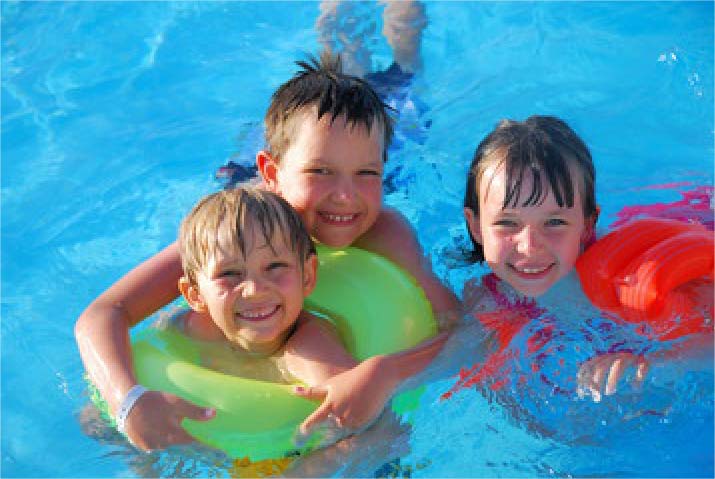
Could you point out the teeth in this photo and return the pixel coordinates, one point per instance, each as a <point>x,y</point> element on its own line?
<point>339,218</point>
<point>258,313</point>
<point>533,270</point>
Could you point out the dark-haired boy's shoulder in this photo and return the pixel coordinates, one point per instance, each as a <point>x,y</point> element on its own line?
<point>390,233</point>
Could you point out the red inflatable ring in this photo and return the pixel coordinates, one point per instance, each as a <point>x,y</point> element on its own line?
<point>634,272</point>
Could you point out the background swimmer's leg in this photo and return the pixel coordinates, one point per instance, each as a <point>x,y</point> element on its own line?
<point>403,24</point>
<point>346,26</point>
<point>343,28</point>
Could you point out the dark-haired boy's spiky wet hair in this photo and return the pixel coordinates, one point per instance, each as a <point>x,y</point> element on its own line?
<point>321,84</point>
<point>545,148</point>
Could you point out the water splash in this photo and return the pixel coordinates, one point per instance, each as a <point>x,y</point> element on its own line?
<point>696,206</point>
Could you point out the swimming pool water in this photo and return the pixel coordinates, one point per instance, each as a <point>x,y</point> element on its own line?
<point>115,116</point>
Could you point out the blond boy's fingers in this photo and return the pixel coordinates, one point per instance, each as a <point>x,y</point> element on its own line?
<point>197,413</point>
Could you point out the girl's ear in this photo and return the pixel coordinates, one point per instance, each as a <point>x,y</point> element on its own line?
<point>310,274</point>
<point>473,223</point>
<point>268,168</point>
<point>589,231</point>
<point>192,296</point>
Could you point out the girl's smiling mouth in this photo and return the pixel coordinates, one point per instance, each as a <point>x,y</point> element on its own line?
<point>532,271</point>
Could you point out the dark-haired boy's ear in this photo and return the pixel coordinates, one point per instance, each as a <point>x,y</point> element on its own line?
<point>191,294</point>
<point>310,274</point>
<point>473,224</point>
<point>268,169</point>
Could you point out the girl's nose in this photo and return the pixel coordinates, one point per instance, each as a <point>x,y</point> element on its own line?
<point>528,241</point>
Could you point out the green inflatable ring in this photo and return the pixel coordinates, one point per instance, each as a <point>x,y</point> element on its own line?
<point>377,308</point>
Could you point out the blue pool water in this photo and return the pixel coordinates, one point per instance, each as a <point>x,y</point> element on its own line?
<point>115,117</point>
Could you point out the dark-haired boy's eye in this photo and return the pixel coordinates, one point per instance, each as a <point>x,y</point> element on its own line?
<point>505,223</point>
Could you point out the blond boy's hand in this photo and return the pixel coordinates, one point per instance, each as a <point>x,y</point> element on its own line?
<point>600,375</point>
<point>155,420</point>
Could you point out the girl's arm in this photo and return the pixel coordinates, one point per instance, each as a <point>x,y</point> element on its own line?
<point>102,333</point>
<point>599,376</point>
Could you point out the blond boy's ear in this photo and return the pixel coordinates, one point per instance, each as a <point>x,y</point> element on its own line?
<point>473,222</point>
<point>191,294</point>
<point>268,168</point>
<point>310,274</point>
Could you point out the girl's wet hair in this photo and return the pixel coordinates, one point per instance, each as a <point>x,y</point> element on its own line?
<point>321,84</point>
<point>544,147</point>
<point>225,219</point>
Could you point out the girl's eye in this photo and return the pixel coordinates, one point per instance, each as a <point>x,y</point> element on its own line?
<point>556,222</point>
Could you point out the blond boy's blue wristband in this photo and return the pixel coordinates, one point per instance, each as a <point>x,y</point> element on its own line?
<point>127,404</point>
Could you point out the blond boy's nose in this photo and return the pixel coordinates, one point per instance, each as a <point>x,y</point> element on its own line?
<point>252,287</point>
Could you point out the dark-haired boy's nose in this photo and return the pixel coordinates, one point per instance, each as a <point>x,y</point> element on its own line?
<point>344,190</point>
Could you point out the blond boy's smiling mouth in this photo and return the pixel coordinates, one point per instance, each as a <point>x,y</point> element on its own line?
<point>258,314</point>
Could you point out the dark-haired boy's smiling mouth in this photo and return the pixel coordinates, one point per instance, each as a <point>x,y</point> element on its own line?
<point>338,219</point>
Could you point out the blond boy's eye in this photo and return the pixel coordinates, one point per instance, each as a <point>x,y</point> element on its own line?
<point>318,171</point>
<point>230,273</point>
<point>370,172</point>
<point>277,265</point>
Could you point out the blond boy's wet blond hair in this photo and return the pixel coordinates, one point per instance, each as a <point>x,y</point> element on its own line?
<point>224,219</point>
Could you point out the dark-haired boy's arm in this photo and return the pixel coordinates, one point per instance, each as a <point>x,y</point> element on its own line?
<point>357,395</point>
<point>102,334</point>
